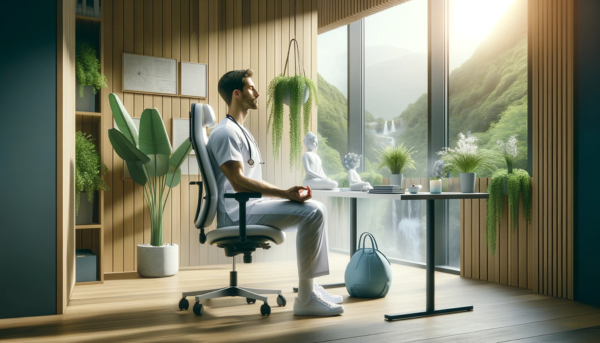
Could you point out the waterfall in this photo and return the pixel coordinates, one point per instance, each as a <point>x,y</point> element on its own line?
<point>406,216</point>
<point>385,129</point>
<point>393,127</point>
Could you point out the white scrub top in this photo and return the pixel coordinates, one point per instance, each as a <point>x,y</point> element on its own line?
<point>228,143</point>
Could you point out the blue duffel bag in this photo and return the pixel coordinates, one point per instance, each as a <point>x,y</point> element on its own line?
<point>369,273</point>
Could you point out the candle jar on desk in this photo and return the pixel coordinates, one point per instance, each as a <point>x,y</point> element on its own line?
<point>435,186</point>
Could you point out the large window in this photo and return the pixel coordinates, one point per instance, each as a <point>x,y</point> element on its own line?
<point>488,82</point>
<point>395,91</point>
<point>333,104</point>
<point>486,56</point>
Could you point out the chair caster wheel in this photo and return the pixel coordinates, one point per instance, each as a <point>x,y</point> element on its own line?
<point>198,308</point>
<point>265,309</point>
<point>281,301</point>
<point>184,304</point>
<point>251,301</point>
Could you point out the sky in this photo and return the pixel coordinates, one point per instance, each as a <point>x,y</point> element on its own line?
<point>405,27</point>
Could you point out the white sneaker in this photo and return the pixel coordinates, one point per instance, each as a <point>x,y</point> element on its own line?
<point>332,298</point>
<point>316,306</point>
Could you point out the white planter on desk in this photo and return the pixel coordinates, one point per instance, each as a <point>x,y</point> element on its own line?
<point>157,261</point>
<point>396,179</point>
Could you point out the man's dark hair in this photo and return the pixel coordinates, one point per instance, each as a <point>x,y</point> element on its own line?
<point>231,81</point>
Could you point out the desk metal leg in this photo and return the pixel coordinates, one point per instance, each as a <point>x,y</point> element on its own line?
<point>353,238</point>
<point>353,225</point>
<point>430,306</point>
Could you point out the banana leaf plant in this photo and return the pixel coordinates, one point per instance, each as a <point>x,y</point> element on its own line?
<point>148,158</point>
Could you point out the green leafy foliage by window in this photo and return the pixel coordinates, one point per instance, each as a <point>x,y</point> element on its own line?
<point>87,68</point>
<point>396,158</point>
<point>88,169</point>
<point>518,186</point>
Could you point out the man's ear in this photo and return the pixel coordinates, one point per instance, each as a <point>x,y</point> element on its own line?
<point>236,93</point>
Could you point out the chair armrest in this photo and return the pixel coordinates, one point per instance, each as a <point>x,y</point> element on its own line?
<point>242,198</point>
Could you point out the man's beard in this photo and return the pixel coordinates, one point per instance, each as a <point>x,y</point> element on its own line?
<point>250,103</point>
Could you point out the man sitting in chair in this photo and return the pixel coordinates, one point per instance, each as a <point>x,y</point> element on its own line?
<point>237,163</point>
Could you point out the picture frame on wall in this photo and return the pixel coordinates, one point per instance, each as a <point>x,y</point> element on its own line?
<point>193,80</point>
<point>149,74</point>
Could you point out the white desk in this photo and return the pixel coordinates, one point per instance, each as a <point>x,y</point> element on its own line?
<point>354,195</point>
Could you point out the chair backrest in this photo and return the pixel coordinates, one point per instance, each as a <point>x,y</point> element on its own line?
<point>202,117</point>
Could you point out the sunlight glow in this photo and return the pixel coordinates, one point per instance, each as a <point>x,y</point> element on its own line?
<point>470,22</point>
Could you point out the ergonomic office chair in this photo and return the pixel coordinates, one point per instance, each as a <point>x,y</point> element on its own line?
<point>235,240</point>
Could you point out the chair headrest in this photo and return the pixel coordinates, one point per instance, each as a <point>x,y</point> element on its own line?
<point>208,116</point>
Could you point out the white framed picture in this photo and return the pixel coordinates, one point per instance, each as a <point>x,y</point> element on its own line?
<point>149,74</point>
<point>193,80</point>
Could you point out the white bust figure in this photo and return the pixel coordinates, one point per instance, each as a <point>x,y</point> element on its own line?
<point>351,162</point>
<point>315,177</point>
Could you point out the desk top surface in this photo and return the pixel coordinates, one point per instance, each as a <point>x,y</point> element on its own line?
<point>407,196</point>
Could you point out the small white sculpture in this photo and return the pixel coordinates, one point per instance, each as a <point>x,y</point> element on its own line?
<point>315,177</point>
<point>351,162</point>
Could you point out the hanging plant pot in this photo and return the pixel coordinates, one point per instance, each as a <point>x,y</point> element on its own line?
<point>286,96</point>
<point>298,92</point>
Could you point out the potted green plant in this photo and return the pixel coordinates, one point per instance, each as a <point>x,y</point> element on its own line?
<point>88,178</point>
<point>150,161</point>
<point>87,73</point>
<point>513,182</point>
<point>466,159</point>
<point>301,92</point>
<point>396,159</point>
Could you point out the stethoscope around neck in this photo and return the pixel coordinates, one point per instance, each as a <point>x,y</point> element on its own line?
<point>250,160</point>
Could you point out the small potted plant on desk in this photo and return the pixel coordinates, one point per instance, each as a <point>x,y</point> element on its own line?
<point>513,182</point>
<point>151,165</point>
<point>88,178</point>
<point>396,159</point>
<point>466,159</point>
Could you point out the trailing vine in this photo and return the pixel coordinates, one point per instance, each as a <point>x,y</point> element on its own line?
<point>518,186</point>
<point>299,112</point>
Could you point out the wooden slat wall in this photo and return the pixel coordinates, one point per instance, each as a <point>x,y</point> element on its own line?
<point>65,150</point>
<point>337,13</point>
<point>228,34</point>
<point>537,256</point>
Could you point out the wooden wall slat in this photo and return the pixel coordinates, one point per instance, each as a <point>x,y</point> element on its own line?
<point>231,34</point>
<point>539,255</point>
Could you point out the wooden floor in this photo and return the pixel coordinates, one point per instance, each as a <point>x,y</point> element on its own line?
<point>145,310</point>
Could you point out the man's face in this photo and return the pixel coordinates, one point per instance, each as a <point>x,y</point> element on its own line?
<point>249,95</point>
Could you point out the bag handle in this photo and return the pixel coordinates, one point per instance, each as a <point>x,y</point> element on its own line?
<point>371,237</point>
<point>373,244</point>
<point>360,240</point>
<point>363,241</point>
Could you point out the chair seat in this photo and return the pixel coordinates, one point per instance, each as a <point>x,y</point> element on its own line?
<point>270,233</point>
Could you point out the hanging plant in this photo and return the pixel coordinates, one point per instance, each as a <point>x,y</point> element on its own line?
<point>294,88</point>
<point>87,69</point>
<point>518,186</point>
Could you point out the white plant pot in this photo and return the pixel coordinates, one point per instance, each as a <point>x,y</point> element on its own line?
<point>396,179</point>
<point>157,261</point>
<point>286,97</point>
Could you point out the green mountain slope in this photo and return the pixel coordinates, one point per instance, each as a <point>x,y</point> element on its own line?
<point>488,98</point>
<point>488,93</point>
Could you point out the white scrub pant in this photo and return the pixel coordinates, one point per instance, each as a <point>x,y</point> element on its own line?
<point>309,218</point>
